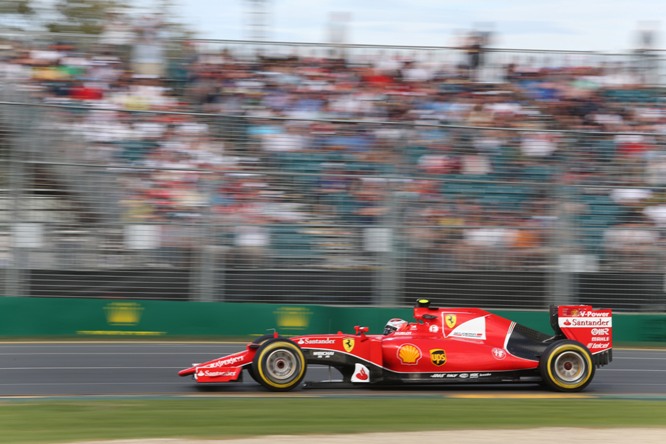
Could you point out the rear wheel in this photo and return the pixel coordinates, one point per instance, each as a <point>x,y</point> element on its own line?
<point>566,366</point>
<point>279,365</point>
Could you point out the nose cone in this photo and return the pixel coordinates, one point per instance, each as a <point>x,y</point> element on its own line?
<point>187,371</point>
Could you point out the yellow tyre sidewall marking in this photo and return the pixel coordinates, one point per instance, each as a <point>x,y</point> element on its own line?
<point>563,348</point>
<point>272,347</point>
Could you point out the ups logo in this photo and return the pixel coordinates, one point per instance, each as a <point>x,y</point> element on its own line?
<point>438,357</point>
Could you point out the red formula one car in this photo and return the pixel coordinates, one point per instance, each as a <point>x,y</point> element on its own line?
<point>441,346</point>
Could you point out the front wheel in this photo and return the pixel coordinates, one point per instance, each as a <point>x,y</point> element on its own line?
<point>257,343</point>
<point>566,366</point>
<point>279,365</point>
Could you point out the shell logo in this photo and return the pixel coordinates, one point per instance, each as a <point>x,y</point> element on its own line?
<point>409,354</point>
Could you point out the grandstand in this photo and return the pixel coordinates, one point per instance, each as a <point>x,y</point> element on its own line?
<point>374,176</point>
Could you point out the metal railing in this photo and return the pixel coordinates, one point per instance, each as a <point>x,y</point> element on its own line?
<point>194,204</point>
<point>401,221</point>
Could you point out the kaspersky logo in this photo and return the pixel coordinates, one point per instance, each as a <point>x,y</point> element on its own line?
<point>123,313</point>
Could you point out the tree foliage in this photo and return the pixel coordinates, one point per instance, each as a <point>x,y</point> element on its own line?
<point>22,7</point>
<point>15,14</point>
<point>83,16</point>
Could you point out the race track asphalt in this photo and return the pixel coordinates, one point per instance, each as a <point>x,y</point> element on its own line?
<point>140,369</point>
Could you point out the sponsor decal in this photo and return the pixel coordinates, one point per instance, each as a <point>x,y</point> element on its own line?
<point>361,373</point>
<point>228,361</point>
<point>499,353</point>
<point>316,341</point>
<point>438,356</point>
<point>460,376</point>
<point>323,354</point>
<point>450,320</point>
<point>600,338</point>
<point>598,345</point>
<point>433,329</point>
<point>580,322</point>
<point>402,333</point>
<point>600,331</point>
<point>292,318</point>
<point>472,329</point>
<point>215,374</point>
<point>409,354</point>
<point>123,313</point>
<point>594,314</point>
<point>444,375</point>
<point>570,312</point>
<point>348,344</point>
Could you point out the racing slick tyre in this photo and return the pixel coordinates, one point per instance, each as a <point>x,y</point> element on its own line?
<point>279,365</point>
<point>566,366</point>
<point>257,342</point>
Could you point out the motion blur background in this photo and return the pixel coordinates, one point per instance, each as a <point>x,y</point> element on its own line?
<point>139,160</point>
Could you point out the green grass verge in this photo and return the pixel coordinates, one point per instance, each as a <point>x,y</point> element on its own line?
<point>73,420</point>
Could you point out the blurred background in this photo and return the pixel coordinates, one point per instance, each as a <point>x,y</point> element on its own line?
<point>141,158</point>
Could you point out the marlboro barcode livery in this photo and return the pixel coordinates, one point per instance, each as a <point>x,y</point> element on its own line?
<point>440,346</point>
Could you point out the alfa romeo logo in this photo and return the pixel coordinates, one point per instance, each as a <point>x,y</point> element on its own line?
<point>498,353</point>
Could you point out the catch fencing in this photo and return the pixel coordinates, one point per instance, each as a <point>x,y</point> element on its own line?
<point>248,207</point>
<point>400,220</point>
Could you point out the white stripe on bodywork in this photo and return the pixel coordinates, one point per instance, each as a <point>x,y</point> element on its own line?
<point>508,334</point>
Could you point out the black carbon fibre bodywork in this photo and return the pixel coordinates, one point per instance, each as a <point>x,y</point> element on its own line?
<point>527,343</point>
<point>345,363</point>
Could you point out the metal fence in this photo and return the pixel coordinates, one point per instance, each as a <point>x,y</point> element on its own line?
<point>212,206</point>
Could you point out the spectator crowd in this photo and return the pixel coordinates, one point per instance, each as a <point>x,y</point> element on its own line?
<point>313,152</point>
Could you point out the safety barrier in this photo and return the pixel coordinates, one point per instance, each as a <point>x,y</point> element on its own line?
<point>112,319</point>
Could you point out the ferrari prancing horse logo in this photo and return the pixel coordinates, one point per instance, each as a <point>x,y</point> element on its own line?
<point>450,320</point>
<point>348,344</point>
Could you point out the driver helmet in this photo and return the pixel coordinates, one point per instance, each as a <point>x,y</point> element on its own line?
<point>394,324</point>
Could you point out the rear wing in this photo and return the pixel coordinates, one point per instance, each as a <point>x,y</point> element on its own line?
<point>591,327</point>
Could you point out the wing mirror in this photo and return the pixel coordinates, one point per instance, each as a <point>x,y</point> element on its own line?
<point>361,331</point>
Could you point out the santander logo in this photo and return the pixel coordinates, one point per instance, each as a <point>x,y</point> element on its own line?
<point>362,375</point>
